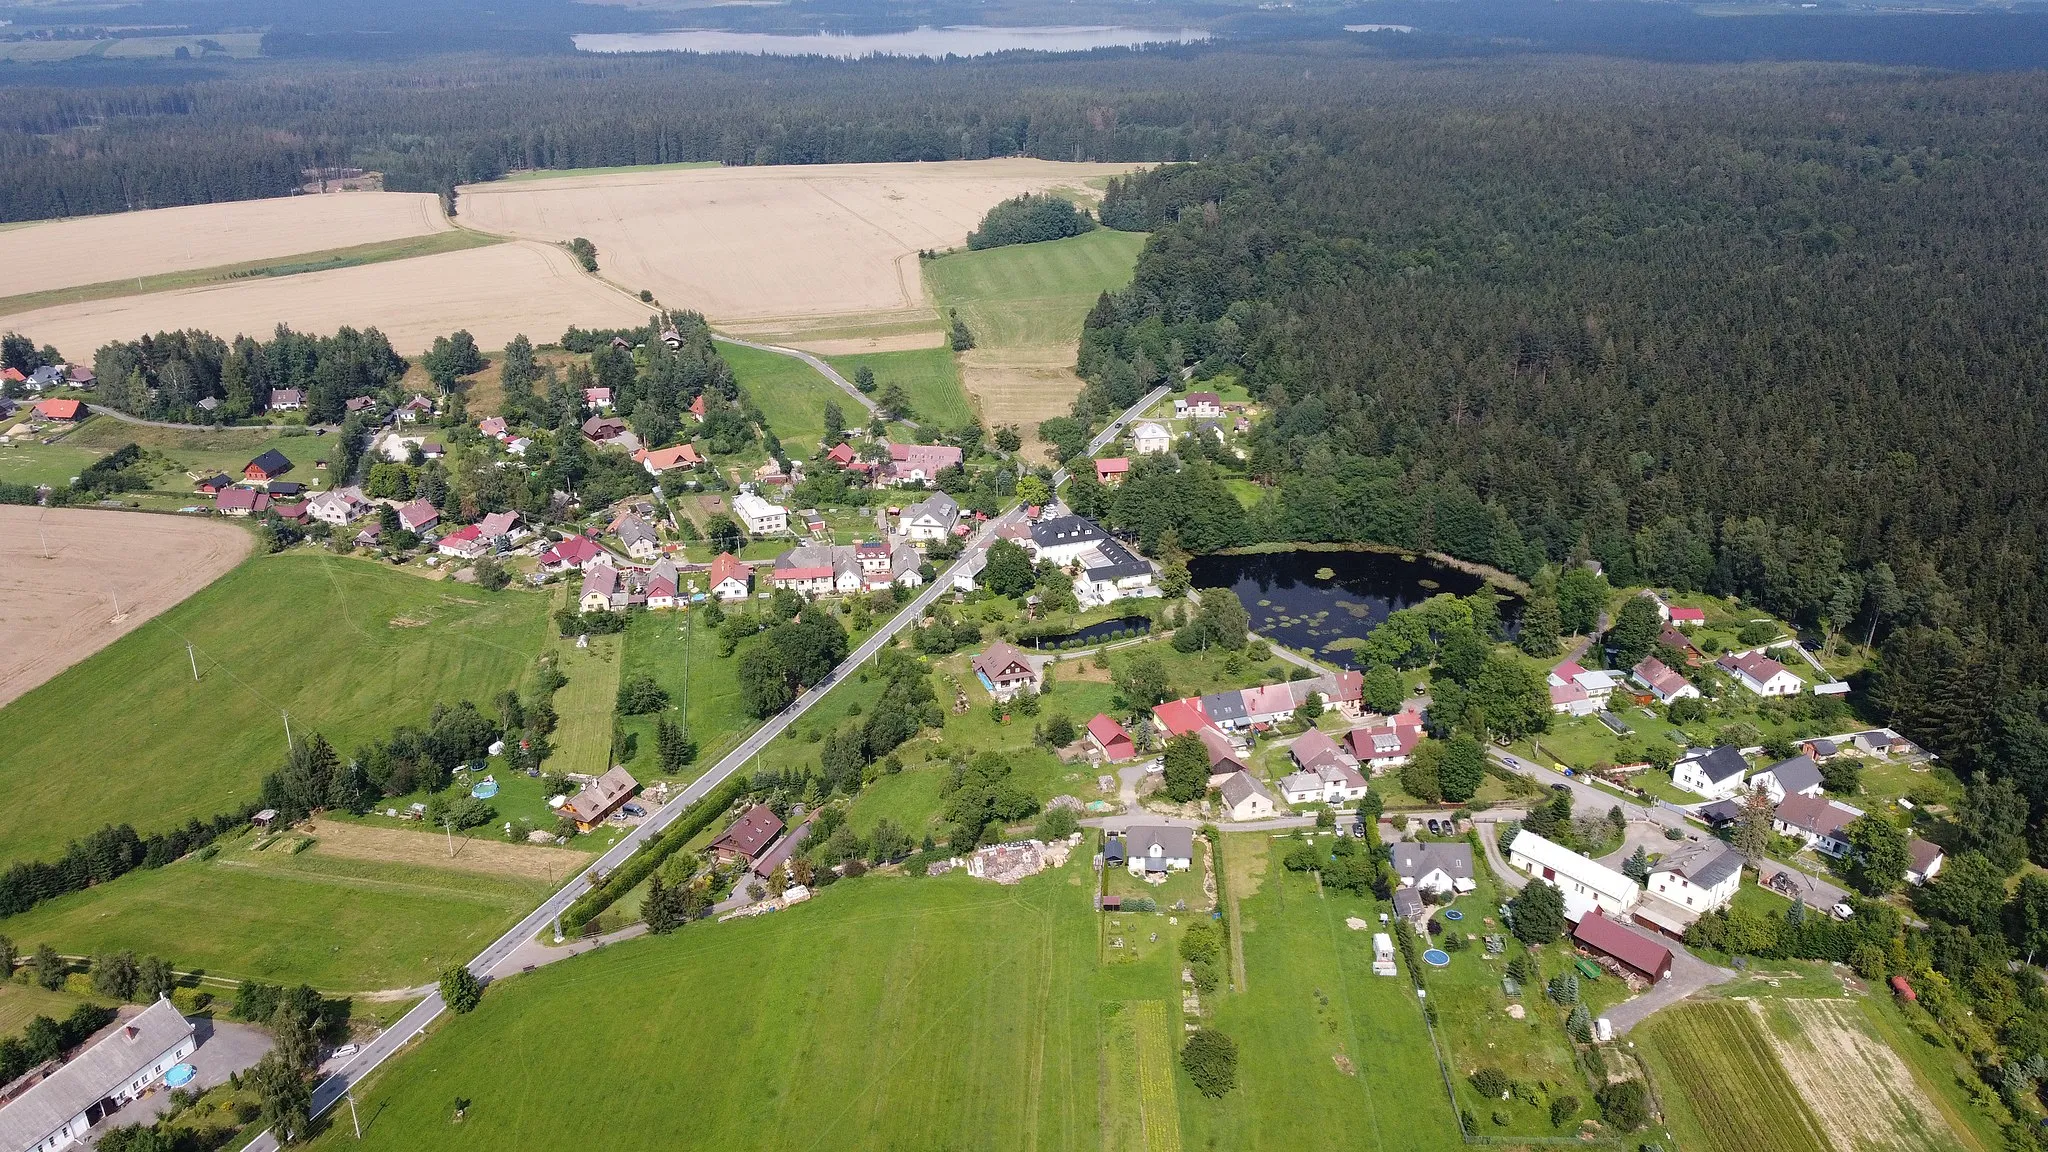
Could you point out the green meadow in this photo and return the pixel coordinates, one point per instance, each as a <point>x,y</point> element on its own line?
<point>1033,295</point>
<point>681,654</point>
<point>790,393</point>
<point>928,376</point>
<point>346,647</point>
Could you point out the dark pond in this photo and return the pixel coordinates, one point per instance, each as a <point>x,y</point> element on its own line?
<point>1099,631</point>
<point>1319,600</point>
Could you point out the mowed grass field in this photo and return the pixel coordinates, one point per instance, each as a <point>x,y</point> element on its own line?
<point>20,1003</point>
<point>350,649</point>
<point>791,395</point>
<point>886,1014</point>
<point>1025,304</point>
<point>928,376</point>
<point>341,924</point>
<point>661,644</point>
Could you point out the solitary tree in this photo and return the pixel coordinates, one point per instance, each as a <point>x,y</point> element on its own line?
<point>1210,1058</point>
<point>1186,768</point>
<point>1878,855</point>
<point>1753,827</point>
<point>1637,866</point>
<point>287,1100</point>
<point>1538,912</point>
<point>461,990</point>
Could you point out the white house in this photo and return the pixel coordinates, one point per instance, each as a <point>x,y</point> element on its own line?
<point>727,579</point>
<point>1821,823</point>
<point>1585,883</point>
<point>338,506</point>
<point>1113,572</point>
<point>1244,798</point>
<point>1574,691</point>
<point>758,516</point>
<point>1699,876</point>
<point>1434,867</point>
<point>1761,674</point>
<point>1198,405</point>
<point>1923,861</point>
<point>1799,776</point>
<point>1150,439</point>
<point>1062,540</point>
<point>1158,848</point>
<point>933,518</point>
<point>1663,683</point>
<point>60,1109</point>
<point>601,585</point>
<point>1715,773</point>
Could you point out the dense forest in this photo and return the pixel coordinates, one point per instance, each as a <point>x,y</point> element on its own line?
<point>1779,335</point>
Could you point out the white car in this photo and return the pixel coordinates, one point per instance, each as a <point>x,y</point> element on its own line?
<point>343,1052</point>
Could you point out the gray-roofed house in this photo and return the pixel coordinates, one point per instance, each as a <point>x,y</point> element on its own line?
<point>1408,905</point>
<point>1155,849</point>
<point>1715,773</point>
<point>639,537</point>
<point>1225,709</point>
<point>58,1111</point>
<point>1113,572</point>
<point>1820,747</point>
<point>1699,876</point>
<point>933,518</point>
<point>1798,776</point>
<point>1923,860</point>
<point>1245,798</point>
<point>1819,822</point>
<point>1062,539</point>
<point>1434,867</point>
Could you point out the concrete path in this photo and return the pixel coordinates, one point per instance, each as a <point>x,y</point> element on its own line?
<point>1501,870</point>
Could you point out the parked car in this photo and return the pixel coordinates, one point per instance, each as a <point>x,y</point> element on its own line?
<point>634,810</point>
<point>343,1052</point>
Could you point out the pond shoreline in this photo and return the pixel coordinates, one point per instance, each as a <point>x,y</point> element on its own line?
<point>1506,580</point>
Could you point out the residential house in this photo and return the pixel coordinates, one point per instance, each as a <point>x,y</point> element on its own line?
<point>241,502</point>
<point>1923,861</point>
<point>1387,744</point>
<point>370,535</point>
<point>208,404</point>
<point>1410,906</point>
<point>495,427</point>
<point>268,466</point>
<point>571,554</point>
<point>1798,776</point>
<point>598,398</point>
<point>1577,692</point>
<point>1434,867</point>
<point>1224,757</point>
<point>841,455</point>
<point>872,556</point>
<point>286,400</point>
<point>1680,643</point>
<point>517,446</point>
<point>600,798</point>
<point>1225,709</point>
<point>1314,748</point>
<point>1150,439</point>
<point>1109,738</point>
<point>418,516</point>
<point>919,463</point>
<point>1176,717</point>
<point>355,404</point>
<point>785,848</point>
<point>1699,876</point>
<point>293,513</point>
<point>1244,798</point>
<point>663,584</point>
<point>1112,470</point>
<point>662,459</point>
<point>749,836</point>
<point>1686,617</point>
<point>697,403</point>
<point>1330,781</point>
<point>466,543</point>
<point>215,483</point>
<point>1585,883</point>
<point>48,376</point>
<point>415,409</point>
<point>819,570</point>
<point>727,580</point>
<point>1662,682</point>
<point>603,429</point>
<point>502,526</point>
<point>1110,573</point>
<point>1198,405</point>
<point>1820,747</point>
<point>1880,742</point>
<point>639,537</point>
<point>758,516</point>
<point>1822,823</point>
<point>1715,773</point>
<point>1761,674</point>
<point>1627,946</point>
<point>906,566</point>
<point>129,1060</point>
<point>933,518</point>
<point>82,377</point>
<point>603,589</point>
<point>1061,540</point>
<point>1156,849</point>
<point>1005,670</point>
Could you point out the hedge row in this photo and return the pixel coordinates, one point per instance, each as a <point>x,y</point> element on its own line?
<point>642,864</point>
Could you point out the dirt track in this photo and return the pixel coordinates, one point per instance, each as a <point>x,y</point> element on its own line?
<point>61,570</point>
<point>96,249</point>
<point>798,241</point>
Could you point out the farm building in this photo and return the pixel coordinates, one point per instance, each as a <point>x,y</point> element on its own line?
<point>1631,949</point>
<point>268,466</point>
<point>1109,738</point>
<point>749,836</point>
<point>58,1111</point>
<point>600,798</point>
<point>1585,883</point>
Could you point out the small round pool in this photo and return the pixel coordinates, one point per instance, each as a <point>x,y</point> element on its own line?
<point>485,790</point>
<point>1453,914</point>
<point>1436,957</point>
<point>179,1075</point>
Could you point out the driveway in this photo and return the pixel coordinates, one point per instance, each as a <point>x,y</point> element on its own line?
<point>1689,974</point>
<point>224,1048</point>
<point>1506,875</point>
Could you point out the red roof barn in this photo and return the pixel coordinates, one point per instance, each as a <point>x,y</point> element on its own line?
<point>1641,953</point>
<point>1109,736</point>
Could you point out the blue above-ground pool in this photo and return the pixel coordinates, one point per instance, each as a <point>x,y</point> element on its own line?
<point>179,1075</point>
<point>1436,957</point>
<point>1453,914</point>
<point>485,789</point>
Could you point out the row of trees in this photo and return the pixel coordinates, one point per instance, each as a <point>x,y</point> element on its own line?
<point>165,376</point>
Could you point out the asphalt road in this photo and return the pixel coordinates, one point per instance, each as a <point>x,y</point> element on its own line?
<point>822,368</point>
<point>492,959</point>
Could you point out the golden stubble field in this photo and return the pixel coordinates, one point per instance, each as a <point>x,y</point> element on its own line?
<point>796,243</point>
<point>496,293</point>
<point>97,249</point>
<point>62,571</point>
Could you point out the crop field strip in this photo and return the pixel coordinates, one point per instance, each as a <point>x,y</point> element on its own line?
<point>1153,1055</point>
<point>1721,1061</point>
<point>1862,1093</point>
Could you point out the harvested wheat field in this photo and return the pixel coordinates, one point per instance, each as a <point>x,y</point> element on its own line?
<point>1863,1094</point>
<point>95,249</point>
<point>63,569</point>
<point>754,244</point>
<point>496,293</point>
<point>430,849</point>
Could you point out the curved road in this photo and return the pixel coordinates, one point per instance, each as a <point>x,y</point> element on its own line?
<point>488,963</point>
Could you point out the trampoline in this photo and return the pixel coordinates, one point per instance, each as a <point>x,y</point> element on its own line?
<point>1453,914</point>
<point>1436,958</point>
<point>179,1075</point>
<point>485,788</point>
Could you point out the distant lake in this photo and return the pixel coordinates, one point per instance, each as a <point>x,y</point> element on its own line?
<point>1318,600</point>
<point>965,40</point>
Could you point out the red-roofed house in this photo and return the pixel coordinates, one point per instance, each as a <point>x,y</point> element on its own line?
<point>728,578</point>
<point>1110,739</point>
<point>241,502</point>
<point>1599,934</point>
<point>467,543</point>
<point>12,376</point>
<point>912,463</point>
<point>1664,683</point>
<point>662,459</point>
<point>599,398</point>
<point>697,407</point>
<point>418,516</point>
<point>495,427</point>
<point>1176,717</point>
<point>1688,617</point>
<point>1388,744</point>
<point>1113,470</point>
<point>65,410</point>
<point>575,552</point>
<point>841,455</point>
<point>749,836</point>
<point>1761,674</point>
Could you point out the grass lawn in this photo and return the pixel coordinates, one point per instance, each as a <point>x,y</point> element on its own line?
<point>1324,1047</point>
<point>886,1014</point>
<point>21,1002</point>
<point>791,395</point>
<point>928,376</point>
<point>224,450</point>
<point>1033,295</point>
<point>339,924</point>
<point>583,738</point>
<point>658,644</point>
<point>349,648</point>
<point>27,462</point>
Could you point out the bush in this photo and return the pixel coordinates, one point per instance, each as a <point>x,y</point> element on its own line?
<point>1562,1109</point>
<point>1624,1105</point>
<point>1210,1058</point>
<point>1490,1082</point>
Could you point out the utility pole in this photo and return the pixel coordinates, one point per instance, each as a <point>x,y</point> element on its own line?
<point>353,1118</point>
<point>194,658</point>
<point>448,826</point>
<point>689,635</point>
<point>287,729</point>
